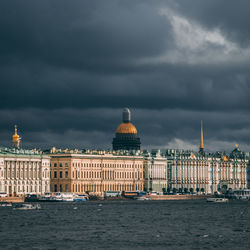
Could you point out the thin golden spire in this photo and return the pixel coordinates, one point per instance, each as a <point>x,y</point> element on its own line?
<point>15,129</point>
<point>201,145</point>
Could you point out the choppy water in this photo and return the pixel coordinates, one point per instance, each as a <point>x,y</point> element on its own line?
<point>128,225</point>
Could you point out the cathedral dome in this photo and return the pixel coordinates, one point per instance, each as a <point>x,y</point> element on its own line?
<point>126,134</point>
<point>126,128</point>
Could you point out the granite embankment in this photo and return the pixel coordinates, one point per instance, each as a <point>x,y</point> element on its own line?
<point>12,199</point>
<point>178,197</point>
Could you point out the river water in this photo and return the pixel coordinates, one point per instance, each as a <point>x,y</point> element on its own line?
<point>192,224</point>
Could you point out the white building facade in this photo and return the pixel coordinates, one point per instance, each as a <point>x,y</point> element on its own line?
<point>23,172</point>
<point>206,173</point>
<point>155,172</point>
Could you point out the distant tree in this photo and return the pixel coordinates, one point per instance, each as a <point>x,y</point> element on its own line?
<point>197,190</point>
<point>164,190</point>
<point>168,190</point>
<point>150,189</point>
<point>202,190</point>
<point>174,190</point>
<point>180,190</point>
<point>191,190</point>
<point>185,190</point>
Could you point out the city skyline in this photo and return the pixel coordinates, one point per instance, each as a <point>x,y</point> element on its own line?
<point>16,143</point>
<point>66,76</point>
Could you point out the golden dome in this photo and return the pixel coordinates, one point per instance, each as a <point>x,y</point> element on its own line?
<point>126,128</point>
<point>15,137</point>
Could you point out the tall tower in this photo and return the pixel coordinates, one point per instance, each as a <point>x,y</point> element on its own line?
<point>201,145</point>
<point>16,139</point>
<point>126,134</point>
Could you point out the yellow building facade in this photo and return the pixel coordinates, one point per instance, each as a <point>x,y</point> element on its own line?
<point>95,171</point>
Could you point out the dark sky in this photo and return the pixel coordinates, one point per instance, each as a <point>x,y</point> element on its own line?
<point>68,68</point>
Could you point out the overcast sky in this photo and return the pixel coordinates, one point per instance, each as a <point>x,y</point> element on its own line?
<point>68,68</point>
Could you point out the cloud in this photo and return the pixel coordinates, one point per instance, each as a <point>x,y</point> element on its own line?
<point>67,70</point>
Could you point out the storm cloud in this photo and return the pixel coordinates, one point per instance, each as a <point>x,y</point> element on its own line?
<point>67,69</point>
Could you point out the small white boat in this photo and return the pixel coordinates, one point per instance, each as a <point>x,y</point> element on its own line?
<point>5,204</point>
<point>25,206</point>
<point>217,200</point>
<point>143,198</point>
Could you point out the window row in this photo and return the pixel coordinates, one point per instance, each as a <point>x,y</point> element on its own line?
<point>108,175</point>
<point>66,174</point>
<point>20,174</point>
<point>60,188</point>
<point>111,165</point>
<point>60,164</point>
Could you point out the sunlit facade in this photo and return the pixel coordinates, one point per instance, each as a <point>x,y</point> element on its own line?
<point>23,172</point>
<point>80,171</point>
<point>155,172</point>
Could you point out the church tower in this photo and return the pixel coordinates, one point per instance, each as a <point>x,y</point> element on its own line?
<point>16,139</point>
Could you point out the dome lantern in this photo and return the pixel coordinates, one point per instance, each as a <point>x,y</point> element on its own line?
<point>126,115</point>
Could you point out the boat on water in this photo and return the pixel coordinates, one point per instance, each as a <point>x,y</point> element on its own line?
<point>80,198</point>
<point>63,197</point>
<point>5,204</point>
<point>56,197</point>
<point>45,197</point>
<point>143,198</point>
<point>25,206</point>
<point>32,198</point>
<point>241,194</point>
<point>217,200</point>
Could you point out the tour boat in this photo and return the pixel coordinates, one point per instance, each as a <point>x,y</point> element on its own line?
<point>67,196</point>
<point>25,206</point>
<point>32,198</point>
<point>45,197</point>
<point>5,204</point>
<point>80,197</point>
<point>57,197</point>
<point>217,200</point>
<point>241,194</point>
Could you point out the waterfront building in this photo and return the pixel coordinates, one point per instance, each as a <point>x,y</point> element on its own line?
<point>126,134</point>
<point>155,172</point>
<point>206,172</point>
<point>23,171</point>
<point>79,171</point>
